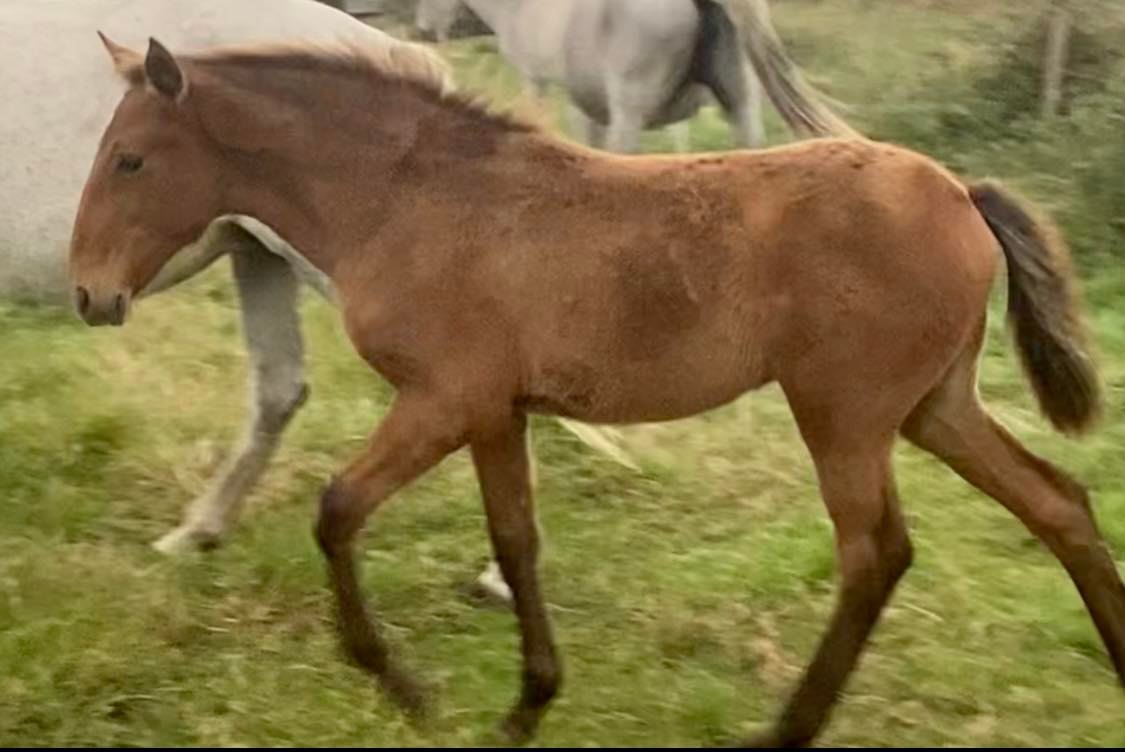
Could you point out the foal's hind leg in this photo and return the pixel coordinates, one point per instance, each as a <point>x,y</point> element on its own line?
<point>952,424</point>
<point>873,552</point>
<point>503,468</point>
<point>267,289</point>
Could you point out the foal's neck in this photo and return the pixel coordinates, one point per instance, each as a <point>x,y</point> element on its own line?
<point>330,175</point>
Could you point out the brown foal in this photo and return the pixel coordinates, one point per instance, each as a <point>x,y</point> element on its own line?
<point>489,270</point>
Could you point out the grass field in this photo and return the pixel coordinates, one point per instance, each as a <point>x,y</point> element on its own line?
<point>687,596</point>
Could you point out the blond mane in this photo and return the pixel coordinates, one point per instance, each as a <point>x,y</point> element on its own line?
<point>397,60</point>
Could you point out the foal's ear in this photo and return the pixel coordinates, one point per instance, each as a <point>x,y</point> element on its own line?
<point>127,62</point>
<point>163,72</point>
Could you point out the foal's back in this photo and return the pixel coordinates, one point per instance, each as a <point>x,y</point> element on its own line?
<point>655,288</point>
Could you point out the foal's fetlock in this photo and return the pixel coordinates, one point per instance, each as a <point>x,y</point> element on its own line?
<point>539,688</point>
<point>771,740</point>
<point>780,736</point>
<point>541,682</point>
<point>520,726</point>
<point>406,692</point>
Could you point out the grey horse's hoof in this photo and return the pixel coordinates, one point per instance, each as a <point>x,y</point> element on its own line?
<point>490,586</point>
<point>186,539</point>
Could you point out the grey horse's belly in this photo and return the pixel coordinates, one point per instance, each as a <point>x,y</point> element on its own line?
<point>686,102</point>
<point>638,56</point>
<point>591,99</point>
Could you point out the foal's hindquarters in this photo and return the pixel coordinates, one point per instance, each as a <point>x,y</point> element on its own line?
<point>912,368</point>
<point>854,275</point>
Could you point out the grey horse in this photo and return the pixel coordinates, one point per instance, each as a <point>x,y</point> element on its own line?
<point>631,65</point>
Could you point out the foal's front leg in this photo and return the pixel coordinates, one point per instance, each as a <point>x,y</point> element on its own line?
<point>503,469</point>
<point>267,289</point>
<point>415,435</point>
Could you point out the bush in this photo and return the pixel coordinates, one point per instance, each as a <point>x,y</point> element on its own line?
<point>983,118</point>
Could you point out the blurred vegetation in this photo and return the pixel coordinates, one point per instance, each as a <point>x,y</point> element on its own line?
<point>687,596</point>
<point>401,14</point>
<point>970,96</point>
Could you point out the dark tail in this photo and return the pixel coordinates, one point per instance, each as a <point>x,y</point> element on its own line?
<point>1043,310</point>
<point>798,103</point>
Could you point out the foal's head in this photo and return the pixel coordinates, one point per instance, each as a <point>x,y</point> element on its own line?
<point>152,190</point>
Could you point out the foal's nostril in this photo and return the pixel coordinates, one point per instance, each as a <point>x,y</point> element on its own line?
<point>81,299</point>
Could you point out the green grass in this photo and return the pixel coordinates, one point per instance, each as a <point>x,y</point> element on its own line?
<point>687,597</point>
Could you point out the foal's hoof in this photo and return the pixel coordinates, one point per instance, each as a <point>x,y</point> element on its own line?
<point>185,539</point>
<point>768,740</point>
<point>518,728</point>
<point>758,741</point>
<point>405,692</point>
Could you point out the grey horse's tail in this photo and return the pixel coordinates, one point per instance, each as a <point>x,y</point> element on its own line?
<point>798,103</point>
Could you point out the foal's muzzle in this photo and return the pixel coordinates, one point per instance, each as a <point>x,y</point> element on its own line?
<point>98,310</point>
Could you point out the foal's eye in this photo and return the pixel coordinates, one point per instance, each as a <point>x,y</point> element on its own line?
<point>129,163</point>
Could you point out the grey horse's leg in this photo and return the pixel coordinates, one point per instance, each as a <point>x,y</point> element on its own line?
<point>721,65</point>
<point>750,129</point>
<point>624,131</point>
<point>681,136</point>
<point>491,583</point>
<point>595,134</point>
<point>536,90</point>
<point>584,127</point>
<point>267,288</point>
